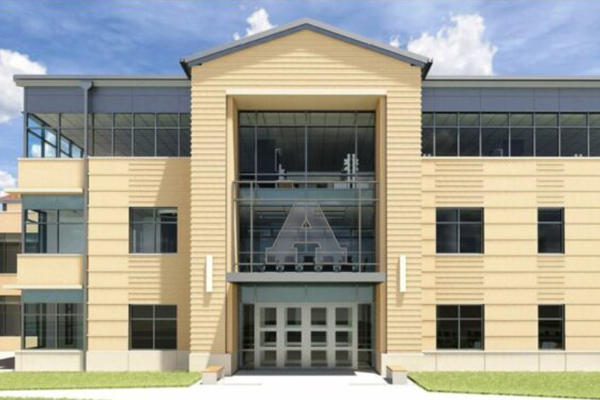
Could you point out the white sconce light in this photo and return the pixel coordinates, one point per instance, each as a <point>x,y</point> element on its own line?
<point>402,273</point>
<point>208,273</point>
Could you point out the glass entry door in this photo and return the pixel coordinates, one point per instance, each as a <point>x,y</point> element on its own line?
<point>306,335</point>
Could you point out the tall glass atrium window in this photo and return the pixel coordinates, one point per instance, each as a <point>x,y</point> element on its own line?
<point>306,195</point>
<point>55,135</point>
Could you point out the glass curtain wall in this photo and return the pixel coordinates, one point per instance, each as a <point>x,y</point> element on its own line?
<point>306,195</point>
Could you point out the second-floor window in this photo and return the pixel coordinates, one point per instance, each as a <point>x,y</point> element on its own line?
<point>153,230</point>
<point>10,246</point>
<point>551,230</point>
<point>54,224</point>
<point>459,230</point>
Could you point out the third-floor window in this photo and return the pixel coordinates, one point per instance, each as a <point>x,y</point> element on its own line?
<point>459,230</point>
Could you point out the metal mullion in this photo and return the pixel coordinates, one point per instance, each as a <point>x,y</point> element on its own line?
<point>179,136</point>
<point>534,127</point>
<point>509,134</point>
<point>155,135</point>
<point>559,134</point>
<point>458,134</point>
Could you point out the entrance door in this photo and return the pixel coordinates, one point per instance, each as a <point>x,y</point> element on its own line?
<point>306,335</point>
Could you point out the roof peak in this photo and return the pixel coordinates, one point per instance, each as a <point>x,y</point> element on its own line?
<point>299,25</point>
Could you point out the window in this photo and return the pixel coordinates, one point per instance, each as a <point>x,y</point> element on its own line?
<point>459,327</point>
<point>551,327</point>
<point>122,135</point>
<point>459,230</point>
<point>54,224</point>
<point>55,135</point>
<point>10,246</point>
<point>551,230</point>
<point>10,316</point>
<point>52,326</point>
<point>153,230</point>
<point>153,327</point>
<point>295,145</point>
<point>511,134</point>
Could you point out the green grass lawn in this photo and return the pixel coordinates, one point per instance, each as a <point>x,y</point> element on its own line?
<point>544,384</point>
<point>94,380</point>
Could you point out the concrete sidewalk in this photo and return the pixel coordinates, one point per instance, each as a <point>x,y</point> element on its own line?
<point>264,386</point>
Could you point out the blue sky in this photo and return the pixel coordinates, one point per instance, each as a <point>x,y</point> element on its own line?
<point>149,37</point>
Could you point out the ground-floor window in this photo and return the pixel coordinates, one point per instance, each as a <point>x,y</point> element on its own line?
<point>153,327</point>
<point>460,327</point>
<point>53,326</point>
<point>551,327</point>
<point>10,316</point>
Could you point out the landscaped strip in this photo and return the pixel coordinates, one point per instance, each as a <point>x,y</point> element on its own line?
<point>542,384</point>
<point>94,380</point>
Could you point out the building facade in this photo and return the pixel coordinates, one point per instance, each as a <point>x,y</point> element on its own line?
<point>308,198</point>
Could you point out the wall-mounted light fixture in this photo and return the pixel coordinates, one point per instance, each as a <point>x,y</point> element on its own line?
<point>208,273</point>
<point>402,273</point>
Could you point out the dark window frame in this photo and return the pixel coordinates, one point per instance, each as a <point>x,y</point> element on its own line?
<point>5,268</point>
<point>155,223</point>
<point>541,224</point>
<point>458,222</point>
<point>561,319</point>
<point>458,319</point>
<point>153,319</point>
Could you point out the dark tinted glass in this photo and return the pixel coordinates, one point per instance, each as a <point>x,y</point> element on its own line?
<point>471,335</point>
<point>494,142</point>
<point>521,120</point>
<point>573,142</point>
<point>123,142</point>
<point>141,334</point>
<point>427,141</point>
<point>142,215</point>
<point>102,142</point>
<point>442,119</point>
<point>521,142</point>
<point>550,311</point>
<point>167,143</point>
<point>546,120</point>
<point>594,142</point>
<point>446,142</point>
<point>550,238</point>
<point>550,215</point>
<point>594,119</point>
<point>103,121</point>
<point>550,335</point>
<point>469,142</point>
<point>141,311</point>
<point>447,238</point>
<point>469,120</point>
<point>165,335</point>
<point>185,143</point>
<point>123,120</point>
<point>470,238</point>
<point>143,145</point>
<point>471,215</point>
<point>494,120</point>
<point>167,237</point>
<point>166,312</point>
<point>446,214</point>
<point>427,119</point>
<point>447,334</point>
<point>447,311</point>
<point>471,312</point>
<point>546,142</point>
<point>143,120</point>
<point>167,120</point>
<point>573,120</point>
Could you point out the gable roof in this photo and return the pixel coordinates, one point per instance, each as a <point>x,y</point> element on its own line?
<point>300,25</point>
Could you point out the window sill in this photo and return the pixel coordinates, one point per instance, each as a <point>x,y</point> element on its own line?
<point>550,254</point>
<point>459,254</point>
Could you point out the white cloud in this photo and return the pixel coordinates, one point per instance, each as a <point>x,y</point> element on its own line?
<point>456,49</point>
<point>11,96</point>
<point>6,181</point>
<point>395,41</point>
<point>258,21</point>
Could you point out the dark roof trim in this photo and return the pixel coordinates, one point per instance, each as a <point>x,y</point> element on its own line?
<point>299,25</point>
<point>516,81</point>
<point>102,80</point>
